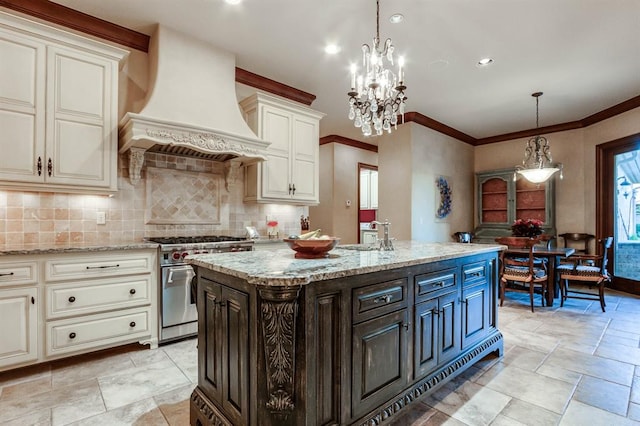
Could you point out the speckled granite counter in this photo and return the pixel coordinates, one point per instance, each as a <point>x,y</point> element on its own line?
<point>280,268</point>
<point>25,249</point>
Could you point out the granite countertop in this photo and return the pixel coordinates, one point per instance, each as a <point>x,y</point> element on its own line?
<point>25,249</point>
<point>281,268</point>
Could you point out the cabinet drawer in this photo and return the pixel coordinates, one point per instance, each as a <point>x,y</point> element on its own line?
<point>97,296</point>
<point>474,273</point>
<point>98,266</point>
<point>428,283</point>
<point>95,331</point>
<point>378,299</point>
<point>18,273</point>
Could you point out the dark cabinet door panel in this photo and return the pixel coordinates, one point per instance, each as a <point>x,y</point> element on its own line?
<point>209,319</point>
<point>236,357</point>
<point>379,366</point>
<point>425,338</point>
<point>449,333</point>
<point>329,355</point>
<point>475,314</point>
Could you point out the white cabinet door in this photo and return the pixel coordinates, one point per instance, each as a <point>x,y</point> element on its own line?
<point>18,326</point>
<point>275,126</point>
<point>304,159</point>
<point>364,189</point>
<point>21,108</point>
<point>373,190</point>
<point>79,142</point>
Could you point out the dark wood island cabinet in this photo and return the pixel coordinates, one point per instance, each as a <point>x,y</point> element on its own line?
<point>351,339</point>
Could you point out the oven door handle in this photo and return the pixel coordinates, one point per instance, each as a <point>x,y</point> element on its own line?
<point>179,275</point>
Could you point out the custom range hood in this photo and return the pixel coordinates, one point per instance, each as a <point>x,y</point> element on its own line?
<point>191,107</point>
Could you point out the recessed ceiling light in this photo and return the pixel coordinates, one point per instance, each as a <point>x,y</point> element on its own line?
<point>331,49</point>
<point>233,1</point>
<point>484,62</point>
<point>396,18</point>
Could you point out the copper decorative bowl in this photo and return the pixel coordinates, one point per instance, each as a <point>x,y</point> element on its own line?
<point>312,249</point>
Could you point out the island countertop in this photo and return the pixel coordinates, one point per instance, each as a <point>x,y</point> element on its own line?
<point>281,268</point>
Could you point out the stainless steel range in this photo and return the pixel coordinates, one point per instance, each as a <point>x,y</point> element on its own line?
<point>178,317</point>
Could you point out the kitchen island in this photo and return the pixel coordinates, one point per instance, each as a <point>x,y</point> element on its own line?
<point>353,338</point>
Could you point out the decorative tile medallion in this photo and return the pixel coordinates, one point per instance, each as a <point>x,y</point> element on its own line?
<point>181,197</point>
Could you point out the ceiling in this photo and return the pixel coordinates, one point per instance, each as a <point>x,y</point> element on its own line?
<point>583,54</point>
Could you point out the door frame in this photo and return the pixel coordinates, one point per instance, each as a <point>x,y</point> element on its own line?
<point>361,166</point>
<point>605,194</point>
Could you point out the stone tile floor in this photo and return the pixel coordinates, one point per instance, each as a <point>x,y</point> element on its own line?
<point>562,366</point>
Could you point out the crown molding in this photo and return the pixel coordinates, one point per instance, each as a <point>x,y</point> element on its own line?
<point>346,141</point>
<point>71,18</point>
<point>425,121</point>
<point>272,86</point>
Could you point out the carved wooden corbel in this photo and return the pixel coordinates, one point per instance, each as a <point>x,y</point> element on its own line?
<point>279,309</point>
<point>136,160</point>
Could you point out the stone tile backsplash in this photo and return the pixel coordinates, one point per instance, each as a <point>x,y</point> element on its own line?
<point>169,184</point>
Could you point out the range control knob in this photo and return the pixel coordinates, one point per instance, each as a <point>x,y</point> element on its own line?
<point>175,255</point>
<point>185,254</point>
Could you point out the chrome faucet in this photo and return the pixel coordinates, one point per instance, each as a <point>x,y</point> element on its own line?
<point>385,243</point>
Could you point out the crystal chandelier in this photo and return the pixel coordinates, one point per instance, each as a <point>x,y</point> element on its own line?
<point>537,165</point>
<point>377,95</point>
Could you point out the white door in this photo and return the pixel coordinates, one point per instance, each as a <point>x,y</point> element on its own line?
<point>18,326</point>
<point>304,155</point>
<point>276,128</point>
<point>79,140</point>
<point>21,108</point>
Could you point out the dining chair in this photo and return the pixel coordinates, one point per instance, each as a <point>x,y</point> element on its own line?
<point>578,240</point>
<point>591,269</point>
<point>529,272</point>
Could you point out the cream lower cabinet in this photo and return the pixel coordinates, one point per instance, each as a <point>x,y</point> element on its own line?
<point>58,109</point>
<point>18,326</point>
<point>19,308</point>
<point>76,303</point>
<point>291,172</point>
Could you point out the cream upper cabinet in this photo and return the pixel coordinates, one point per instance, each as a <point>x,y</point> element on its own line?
<point>291,172</point>
<point>368,189</point>
<point>58,109</point>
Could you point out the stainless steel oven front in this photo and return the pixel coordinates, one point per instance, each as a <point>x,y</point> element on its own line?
<point>177,313</point>
<point>178,317</point>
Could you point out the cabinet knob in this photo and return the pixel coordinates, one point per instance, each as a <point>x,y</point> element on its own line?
<point>132,291</point>
<point>72,299</point>
<point>72,335</point>
<point>132,324</point>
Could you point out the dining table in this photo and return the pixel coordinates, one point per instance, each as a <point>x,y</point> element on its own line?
<point>553,256</point>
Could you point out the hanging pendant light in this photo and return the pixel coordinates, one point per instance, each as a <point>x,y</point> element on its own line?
<point>377,95</point>
<point>537,166</point>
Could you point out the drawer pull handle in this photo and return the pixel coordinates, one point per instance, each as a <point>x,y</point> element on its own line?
<point>383,299</point>
<point>72,299</point>
<point>6,274</point>
<point>132,291</point>
<point>132,324</point>
<point>440,283</point>
<point>103,267</point>
<point>72,335</point>
<point>475,274</point>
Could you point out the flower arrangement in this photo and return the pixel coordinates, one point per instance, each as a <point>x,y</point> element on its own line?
<point>527,228</point>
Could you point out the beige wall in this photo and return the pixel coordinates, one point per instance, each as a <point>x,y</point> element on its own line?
<point>339,183</point>
<point>575,149</point>
<point>409,161</point>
